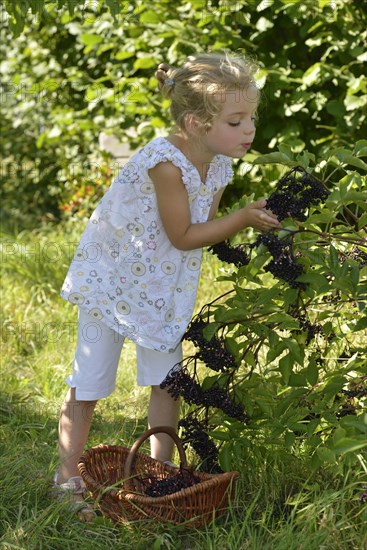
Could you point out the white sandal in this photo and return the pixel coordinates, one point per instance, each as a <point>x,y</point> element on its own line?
<point>65,492</point>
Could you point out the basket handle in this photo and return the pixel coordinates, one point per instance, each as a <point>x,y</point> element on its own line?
<point>129,485</point>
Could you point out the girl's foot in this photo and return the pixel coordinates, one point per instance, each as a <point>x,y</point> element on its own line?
<point>72,491</point>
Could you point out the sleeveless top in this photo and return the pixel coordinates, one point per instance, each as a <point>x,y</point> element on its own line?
<point>125,271</point>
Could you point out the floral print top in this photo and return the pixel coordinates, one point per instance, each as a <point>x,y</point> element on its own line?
<point>125,271</point>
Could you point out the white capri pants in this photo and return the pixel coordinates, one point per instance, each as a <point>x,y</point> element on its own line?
<point>97,356</point>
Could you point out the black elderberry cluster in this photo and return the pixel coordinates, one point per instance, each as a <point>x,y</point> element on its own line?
<point>346,409</point>
<point>169,485</point>
<point>212,352</point>
<point>284,265</point>
<point>287,269</point>
<point>178,382</point>
<point>295,193</point>
<point>305,324</point>
<point>194,434</point>
<point>358,255</point>
<point>355,393</point>
<point>236,255</point>
<point>219,398</point>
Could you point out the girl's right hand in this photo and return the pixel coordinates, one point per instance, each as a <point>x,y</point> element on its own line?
<point>258,217</point>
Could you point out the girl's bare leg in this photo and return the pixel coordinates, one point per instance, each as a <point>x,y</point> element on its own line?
<point>75,421</point>
<point>163,411</point>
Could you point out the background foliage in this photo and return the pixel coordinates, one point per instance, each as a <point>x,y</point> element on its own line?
<point>79,68</point>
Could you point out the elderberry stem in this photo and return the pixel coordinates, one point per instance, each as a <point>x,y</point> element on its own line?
<point>209,304</point>
<point>329,176</point>
<point>331,236</point>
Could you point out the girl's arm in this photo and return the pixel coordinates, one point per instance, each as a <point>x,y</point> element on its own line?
<point>174,210</point>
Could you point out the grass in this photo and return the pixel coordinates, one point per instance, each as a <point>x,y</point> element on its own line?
<point>280,504</point>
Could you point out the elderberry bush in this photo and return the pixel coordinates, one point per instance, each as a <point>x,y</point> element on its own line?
<point>236,255</point>
<point>295,193</point>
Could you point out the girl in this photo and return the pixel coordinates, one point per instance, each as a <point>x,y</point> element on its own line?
<point>135,272</point>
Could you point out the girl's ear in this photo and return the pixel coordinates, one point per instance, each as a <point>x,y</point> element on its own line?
<point>193,125</point>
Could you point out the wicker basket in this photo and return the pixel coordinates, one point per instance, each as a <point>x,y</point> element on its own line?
<point>107,473</point>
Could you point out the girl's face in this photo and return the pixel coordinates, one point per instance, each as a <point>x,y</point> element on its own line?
<point>233,130</point>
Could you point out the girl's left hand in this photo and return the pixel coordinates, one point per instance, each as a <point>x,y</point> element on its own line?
<point>259,217</point>
<point>270,213</point>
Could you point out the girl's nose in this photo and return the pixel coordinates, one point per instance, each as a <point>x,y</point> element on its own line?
<point>249,128</point>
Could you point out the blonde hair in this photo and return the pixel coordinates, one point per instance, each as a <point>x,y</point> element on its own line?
<point>198,87</point>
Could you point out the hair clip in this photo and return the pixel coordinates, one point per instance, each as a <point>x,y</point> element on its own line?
<point>169,82</point>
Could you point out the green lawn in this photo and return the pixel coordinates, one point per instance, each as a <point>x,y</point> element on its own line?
<point>279,505</point>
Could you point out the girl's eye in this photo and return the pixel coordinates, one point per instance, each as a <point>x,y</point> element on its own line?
<point>234,123</point>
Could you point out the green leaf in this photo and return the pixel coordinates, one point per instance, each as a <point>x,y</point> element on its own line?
<point>145,63</point>
<point>266,295</point>
<point>297,352</point>
<point>297,380</point>
<point>325,454</point>
<point>345,284</point>
<point>359,423</point>
<point>274,158</point>
<point>334,385</point>
<point>220,435</point>
<point>353,102</point>
<point>225,458</point>
<point>286,150</point>
<point>348,445</point>
<point>229,315</point>
<point>312,75</point>
<point>90,39</point>
<point>285,366</point>
<point>289,439</point>
<point>150,17</point>
<point>316,280</point>
<point>210,330</point>
<point>360,148</point>
<point>361,324</point>
<point>312,426</point>
<point>312,372</point>
<point>209,381</point>
<point>284,320</point>
<point>346,157</point>
<point>250,358</point>
<point>355,196</point>
<point>232,346</point>
<point>334,261</point>
<point>362,221</point>
<point>123,54</point>
<point>273,353</point>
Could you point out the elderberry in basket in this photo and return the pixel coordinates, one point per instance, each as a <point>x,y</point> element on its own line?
<point>169,485</point>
